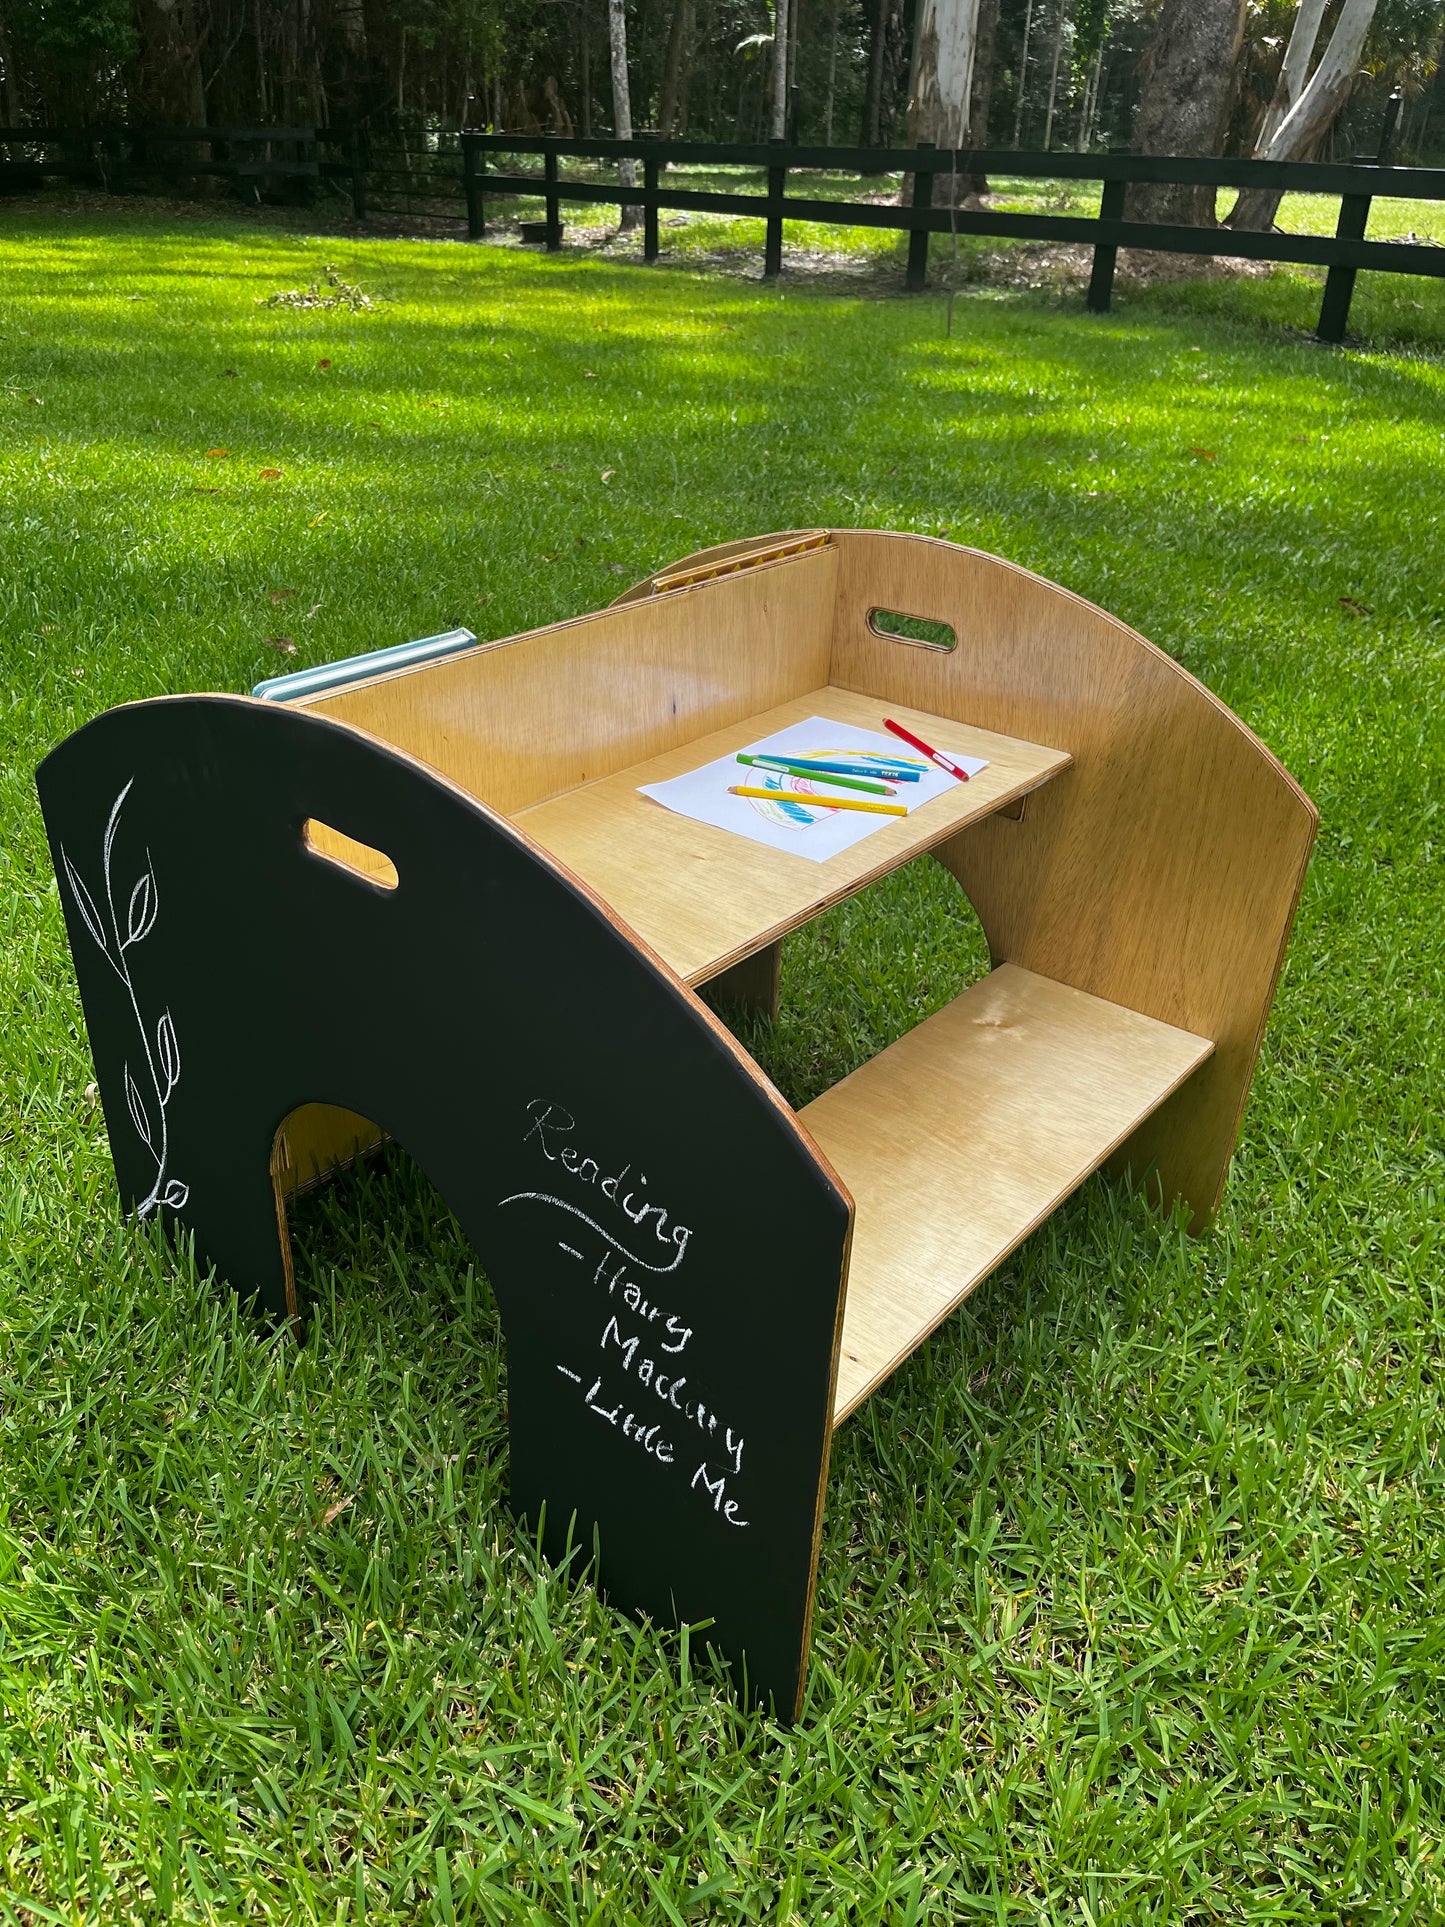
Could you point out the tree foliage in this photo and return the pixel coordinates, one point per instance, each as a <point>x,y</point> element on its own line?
<point>1071,69</point>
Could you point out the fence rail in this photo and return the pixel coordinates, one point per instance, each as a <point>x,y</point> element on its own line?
<point>347,162</point>
<point>1344,253</point>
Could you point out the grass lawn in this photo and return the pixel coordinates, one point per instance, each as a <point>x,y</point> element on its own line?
<point>1130,1603</point>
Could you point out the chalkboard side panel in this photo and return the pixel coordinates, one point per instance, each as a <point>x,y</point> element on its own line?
<point>667,1248</point>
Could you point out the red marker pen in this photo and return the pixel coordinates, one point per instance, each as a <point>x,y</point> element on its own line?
<point>933,755</point>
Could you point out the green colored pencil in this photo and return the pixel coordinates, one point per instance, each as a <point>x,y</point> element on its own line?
<point>817,775</point>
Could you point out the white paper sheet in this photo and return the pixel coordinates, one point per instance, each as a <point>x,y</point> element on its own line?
<point>799,822</point>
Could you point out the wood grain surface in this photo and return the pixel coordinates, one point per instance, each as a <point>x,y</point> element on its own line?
<point>964,1135</point>
<point>1162,871</point>
<point>704,898</point>
<point>517,721</point>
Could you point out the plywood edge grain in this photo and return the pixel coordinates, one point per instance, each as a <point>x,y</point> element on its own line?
<point>718,553</point>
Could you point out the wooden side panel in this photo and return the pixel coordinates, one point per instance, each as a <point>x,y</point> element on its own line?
<point>317,1139</point>
<point>518,721</point>
<point>1161,872</point>
<point>751,985</point>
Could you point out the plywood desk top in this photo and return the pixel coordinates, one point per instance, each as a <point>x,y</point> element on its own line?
<point>704,898</point>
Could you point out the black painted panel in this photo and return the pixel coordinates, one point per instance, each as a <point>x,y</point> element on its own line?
<point>666,1250</point>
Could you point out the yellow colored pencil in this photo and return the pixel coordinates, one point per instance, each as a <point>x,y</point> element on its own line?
<point>819,802</point>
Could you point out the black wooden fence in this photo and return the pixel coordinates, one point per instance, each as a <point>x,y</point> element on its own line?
<point>450,171</point>
<point>119,157</point>
<point>1344,253</point>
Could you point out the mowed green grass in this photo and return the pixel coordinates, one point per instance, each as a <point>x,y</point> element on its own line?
<point>1129,1606</point>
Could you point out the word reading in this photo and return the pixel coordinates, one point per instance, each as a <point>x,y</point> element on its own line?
<point>552,1127</point>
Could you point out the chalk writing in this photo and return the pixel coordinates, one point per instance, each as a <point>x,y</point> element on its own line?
<point>641,1336</point>
<point>637,1302</point>
<point>561,1204</point>
<point>726,1508</point>
<point>552,1127</point>
<point>631,1426</point>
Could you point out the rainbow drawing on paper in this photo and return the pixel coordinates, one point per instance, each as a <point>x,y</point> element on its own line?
<point>800,814</point>
<point>796,808</point>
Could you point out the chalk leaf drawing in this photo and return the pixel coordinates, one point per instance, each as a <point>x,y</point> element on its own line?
<point>146,1098</point>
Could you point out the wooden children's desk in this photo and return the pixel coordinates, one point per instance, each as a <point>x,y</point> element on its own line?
<point>492,948</point>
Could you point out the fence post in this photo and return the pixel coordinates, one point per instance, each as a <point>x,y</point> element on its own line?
<point>1340,282</point>
<point>918,237</point>
<point>773,246</point>
<point>554,222</point>
<point>473,161</point>
<point>356,156</point>
<point>1390,130</point>
<point>1101,280</point>
<point>649,208</point>
<point>1354,219</point>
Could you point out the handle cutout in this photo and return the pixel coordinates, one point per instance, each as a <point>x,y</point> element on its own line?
<point>894,626</point>
<point>347,854</point>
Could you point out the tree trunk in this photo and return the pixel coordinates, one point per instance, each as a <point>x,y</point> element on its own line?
<point>832,75</point>
<point>585,51</point>
<point>1184,108</point>
<point>873,93</point>
<point>1300,113</point>
<point>622,104</point>
<point>980,92</point>
<point>1023,73</point>
<point>1256,207</point>
<point>778,114</point>
<point>674,67</point>
<point>947,43</point>
<point>166,88</point>
<point>10,95</point>
<point>795,41</point>
<point>1090,102</point>
<point>1054,78</point>
<point>260,63</point>
<point>559,120</point>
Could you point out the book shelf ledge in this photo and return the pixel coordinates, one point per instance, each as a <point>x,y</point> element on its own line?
<point>960,1138</point>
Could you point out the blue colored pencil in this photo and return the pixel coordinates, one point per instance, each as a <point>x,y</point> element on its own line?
<point>888,775</point>
<point>782,765</point>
